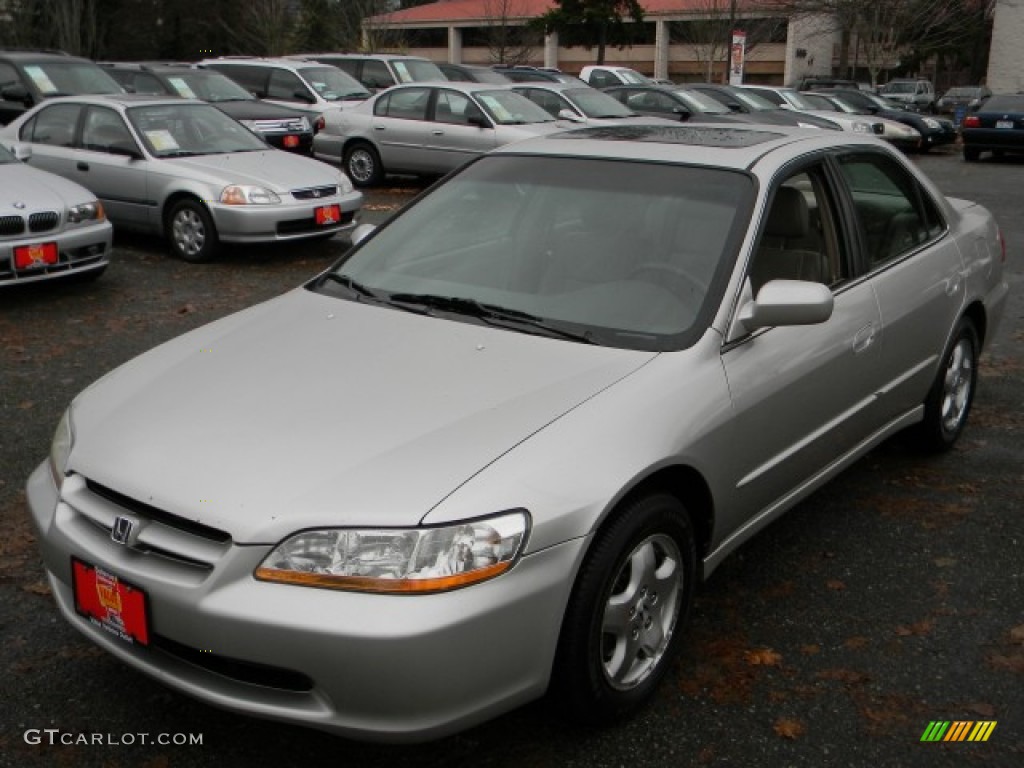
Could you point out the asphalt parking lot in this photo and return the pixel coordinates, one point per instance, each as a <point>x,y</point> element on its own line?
<point>890,599</point>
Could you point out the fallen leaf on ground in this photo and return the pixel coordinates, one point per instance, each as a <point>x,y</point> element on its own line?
<point>810,650</point>
<point>1017,634</point>
<point>922,627</point>
<point>789,728</point>
<point>763,657</point>
<point>854,643</point>
<point>835,584</point>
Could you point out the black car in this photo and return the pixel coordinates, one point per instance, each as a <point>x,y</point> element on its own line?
<point>286,128</point>
<point>29,77</point>
<point>743,102</point>
<point>673,102</point>
<point>996,126</point>
<point>935,131</point>
<point>524,74</point>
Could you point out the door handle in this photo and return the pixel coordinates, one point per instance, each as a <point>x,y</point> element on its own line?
<point>378,127</point>
<point>437,133</point>
<point>82,166</point>
<point>864,338</point>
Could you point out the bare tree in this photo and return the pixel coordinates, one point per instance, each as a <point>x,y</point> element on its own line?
<point>709,31</point>
<point>509,39</point>
<point>261,27</point>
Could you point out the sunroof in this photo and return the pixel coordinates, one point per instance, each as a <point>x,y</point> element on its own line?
<point>695,135</point>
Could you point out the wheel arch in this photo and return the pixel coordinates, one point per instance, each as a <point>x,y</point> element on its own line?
<point>172,200</point>
<point>975,312</point>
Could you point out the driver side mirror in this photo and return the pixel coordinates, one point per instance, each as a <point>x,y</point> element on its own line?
<point>22,152</point>
<point>568,114</point>
<point>787,302</point>
<point>682,114</point>
<point>16,92</point>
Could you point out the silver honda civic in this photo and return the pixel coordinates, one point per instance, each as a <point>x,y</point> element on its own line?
<point>184,169</point>
<point>490,452</point>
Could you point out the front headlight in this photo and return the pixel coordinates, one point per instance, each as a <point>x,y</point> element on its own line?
<point>86,212</point>
<point>399,561</point>
<point>243,194</point>
<point>932,123</point>
<point>60,449</point>
<point>345,184</point>
<point>862,127</point>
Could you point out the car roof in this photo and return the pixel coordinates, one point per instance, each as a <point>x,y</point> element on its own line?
<point>387,56</point>
<point>20,54</point>
<point>554,85</point>
<point>452,85</point>
<point>278,61</point>
<point>733,146</point>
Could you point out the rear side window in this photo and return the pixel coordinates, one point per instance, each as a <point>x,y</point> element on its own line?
<point>406,104</point>
<point>895,214</point>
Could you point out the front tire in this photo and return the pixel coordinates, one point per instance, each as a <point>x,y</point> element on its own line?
<point>949,400</point>
<point>362,165</point>
<point>191,232</point>
<point>631,598</point>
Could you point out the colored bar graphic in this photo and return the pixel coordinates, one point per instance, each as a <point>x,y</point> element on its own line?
<point>958,730</point>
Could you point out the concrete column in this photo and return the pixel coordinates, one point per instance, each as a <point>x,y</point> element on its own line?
<point>1006,56</point>
<point>551,49</point>
<point>661,42</point>
<point>455,45</point>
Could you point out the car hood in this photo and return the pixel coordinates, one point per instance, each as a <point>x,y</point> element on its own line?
<point>37,190</point>
<point>310,411</point>
<point>280,171</point>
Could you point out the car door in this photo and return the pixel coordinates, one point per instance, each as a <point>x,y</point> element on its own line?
<point>803,395</point>
<point>399,128</point>
<point>112,165</point>
<point>914,267</point>
<point>51,132</point>
<point>452,139</point>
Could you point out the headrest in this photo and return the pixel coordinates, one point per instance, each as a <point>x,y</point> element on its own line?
<point>789,216</point>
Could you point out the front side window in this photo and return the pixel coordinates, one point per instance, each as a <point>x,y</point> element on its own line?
<point>53,126</point>
<point>542,239</point>
<point>103,130</point>
<point>895,214</point>
<point>454,108</point>
<point>287,86</point>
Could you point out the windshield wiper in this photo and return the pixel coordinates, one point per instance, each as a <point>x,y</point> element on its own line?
<point>492,314</point>
<point>180,153</point>
<point>353,285</point>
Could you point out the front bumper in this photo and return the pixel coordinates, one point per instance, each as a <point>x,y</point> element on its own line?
<point>291,220</point>
<point>378,667</point>
<point>81,249</point>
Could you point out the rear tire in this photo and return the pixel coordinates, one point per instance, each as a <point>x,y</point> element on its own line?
<point>362,165</point>
<point>949,402</point>
<point>622,628</point>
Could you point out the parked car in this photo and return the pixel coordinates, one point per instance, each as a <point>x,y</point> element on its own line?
<point>916,94</point>
<point>377,71</point>
<point>523,431</point>
<point>935,131</point>
<point>896,133</point>
<point>740,101</point>
<point>815,82</point>
<point>790,98</point>
<point>286,128</point>
<point>184,169</point>
<point>50,228</point>
<point>601,76</point>
<point>580,104</point>
<point>996,126</point>
<point>428,129</point>
<point>525,74</point>
<point>466,73</point>
<point>29,77</point>
<point>962,97</point>
<point>292,83</point>
<point>673,103</point>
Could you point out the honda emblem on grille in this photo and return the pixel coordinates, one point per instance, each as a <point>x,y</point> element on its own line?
<point>316,193</point>
<point>123,529</point>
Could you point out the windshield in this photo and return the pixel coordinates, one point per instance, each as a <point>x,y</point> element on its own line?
<point>752,101</point>
<point>331,84</point>
<point>417,71</point>
<point>208,86</point>
<point>899,88</point>
<point>962,93</point>
<point>511,108</point>
<point>700,102</point>
<point>70,78</point>
<point>184,130</point>
<point>633,264</point>
<point>817,101</point>
<point>594,103</point>
<point>799,100</point>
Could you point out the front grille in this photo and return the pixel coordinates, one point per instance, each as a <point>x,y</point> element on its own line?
<point>298,226</point>
<point>279,126</point>
<point>159,515</point>
<point>43,222</point>
<point>314,193</point>
<point>236,669</point>
<point>11,225</point>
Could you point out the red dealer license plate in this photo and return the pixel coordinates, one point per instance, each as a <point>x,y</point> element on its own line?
<point>291,141</point>
<point>110,602</point>
<point>32,256</point>
<point>327,215</point>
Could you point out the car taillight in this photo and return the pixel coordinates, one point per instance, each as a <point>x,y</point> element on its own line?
<point>972,121</point>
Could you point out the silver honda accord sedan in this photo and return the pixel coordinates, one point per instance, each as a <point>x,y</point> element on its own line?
<point>490,452</point>
<point>184,169</point>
